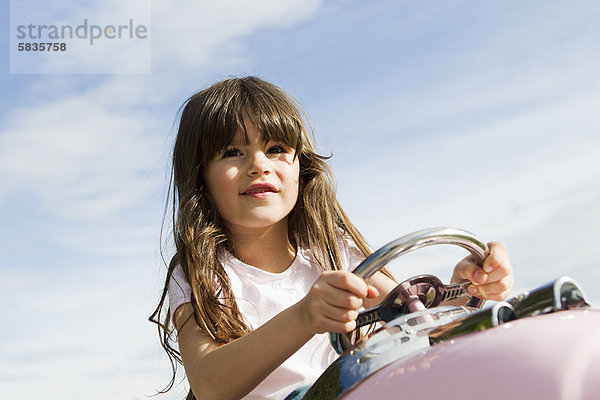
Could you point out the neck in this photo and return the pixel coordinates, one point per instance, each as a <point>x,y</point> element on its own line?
<point>268,249</point>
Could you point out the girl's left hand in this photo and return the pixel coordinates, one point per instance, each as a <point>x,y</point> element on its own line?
<point>492,282</point>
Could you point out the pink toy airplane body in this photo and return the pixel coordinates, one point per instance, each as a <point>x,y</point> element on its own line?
<point>552,356</point>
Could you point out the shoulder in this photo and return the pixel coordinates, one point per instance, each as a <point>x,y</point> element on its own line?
<point>350,253</point>
<point>178,288</point>
<point>178,281</point>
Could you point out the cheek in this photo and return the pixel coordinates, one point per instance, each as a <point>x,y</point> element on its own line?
<point>297,176</point>
<point>221,183</point>
<point>221,172</point>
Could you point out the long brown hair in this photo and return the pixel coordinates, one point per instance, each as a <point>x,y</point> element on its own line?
<point>209,122</point>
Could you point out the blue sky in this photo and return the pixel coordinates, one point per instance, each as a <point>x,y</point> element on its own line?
<point>479,115</point>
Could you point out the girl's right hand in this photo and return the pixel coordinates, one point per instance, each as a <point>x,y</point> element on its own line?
<point>332,303</point>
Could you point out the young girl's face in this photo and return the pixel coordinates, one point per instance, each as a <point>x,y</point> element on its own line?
<point>254,184</point>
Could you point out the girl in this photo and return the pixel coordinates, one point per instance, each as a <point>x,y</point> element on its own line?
<point>264,250</point>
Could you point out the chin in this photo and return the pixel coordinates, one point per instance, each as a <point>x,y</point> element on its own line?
<point>261,222</point>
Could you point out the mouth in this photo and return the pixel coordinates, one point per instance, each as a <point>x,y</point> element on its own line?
<point>258,189</point>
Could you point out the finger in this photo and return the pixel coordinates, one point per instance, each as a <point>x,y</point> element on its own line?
<point>326,293</point>
<point>339,314</point>
<point>334,319</point>
<point>498,290</point>
<point>347,281</point>
<point>372,293</point>
<point>324,324</point>
<point>497,259</point>
<point>501,268</point>
<point>503,274</point>
<point>342,299</point>
<point>466,269</point>
<point>340,327</point>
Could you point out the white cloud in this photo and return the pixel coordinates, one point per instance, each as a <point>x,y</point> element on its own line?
<point>520,161</point>
<point>181,34</point>
<point>80,328</point>
<point>79,158</point>
<point>201,33</point>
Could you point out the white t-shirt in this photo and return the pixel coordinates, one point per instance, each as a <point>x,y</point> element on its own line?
<point>260,296</point>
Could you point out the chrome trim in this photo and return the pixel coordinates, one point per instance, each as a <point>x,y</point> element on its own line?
<point>417,240</point>
<point>499,313</point>
<point>561,294</point>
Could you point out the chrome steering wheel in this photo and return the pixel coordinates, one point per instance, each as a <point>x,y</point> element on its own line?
<point>417,293</point>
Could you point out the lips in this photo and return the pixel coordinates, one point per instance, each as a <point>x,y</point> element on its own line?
<point>259,189</point>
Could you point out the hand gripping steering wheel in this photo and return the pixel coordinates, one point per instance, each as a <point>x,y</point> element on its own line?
<point>417,293</point>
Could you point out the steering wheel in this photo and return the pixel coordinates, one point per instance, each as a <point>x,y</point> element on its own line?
<point>417,293</point>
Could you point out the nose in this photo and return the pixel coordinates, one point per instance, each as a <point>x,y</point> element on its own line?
<point>259,164</point>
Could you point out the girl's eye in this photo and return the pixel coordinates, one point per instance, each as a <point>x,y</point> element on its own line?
<point>231,153</point>
<point>276,149</point>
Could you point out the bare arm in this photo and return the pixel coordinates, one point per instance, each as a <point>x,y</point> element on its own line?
<point>331,305</point>
<point>242,363</point>
<point>384,286</point>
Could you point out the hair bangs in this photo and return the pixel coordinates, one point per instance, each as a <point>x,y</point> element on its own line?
<point>234,103</point>
<point>220,127</point>
<point>277,123</point>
